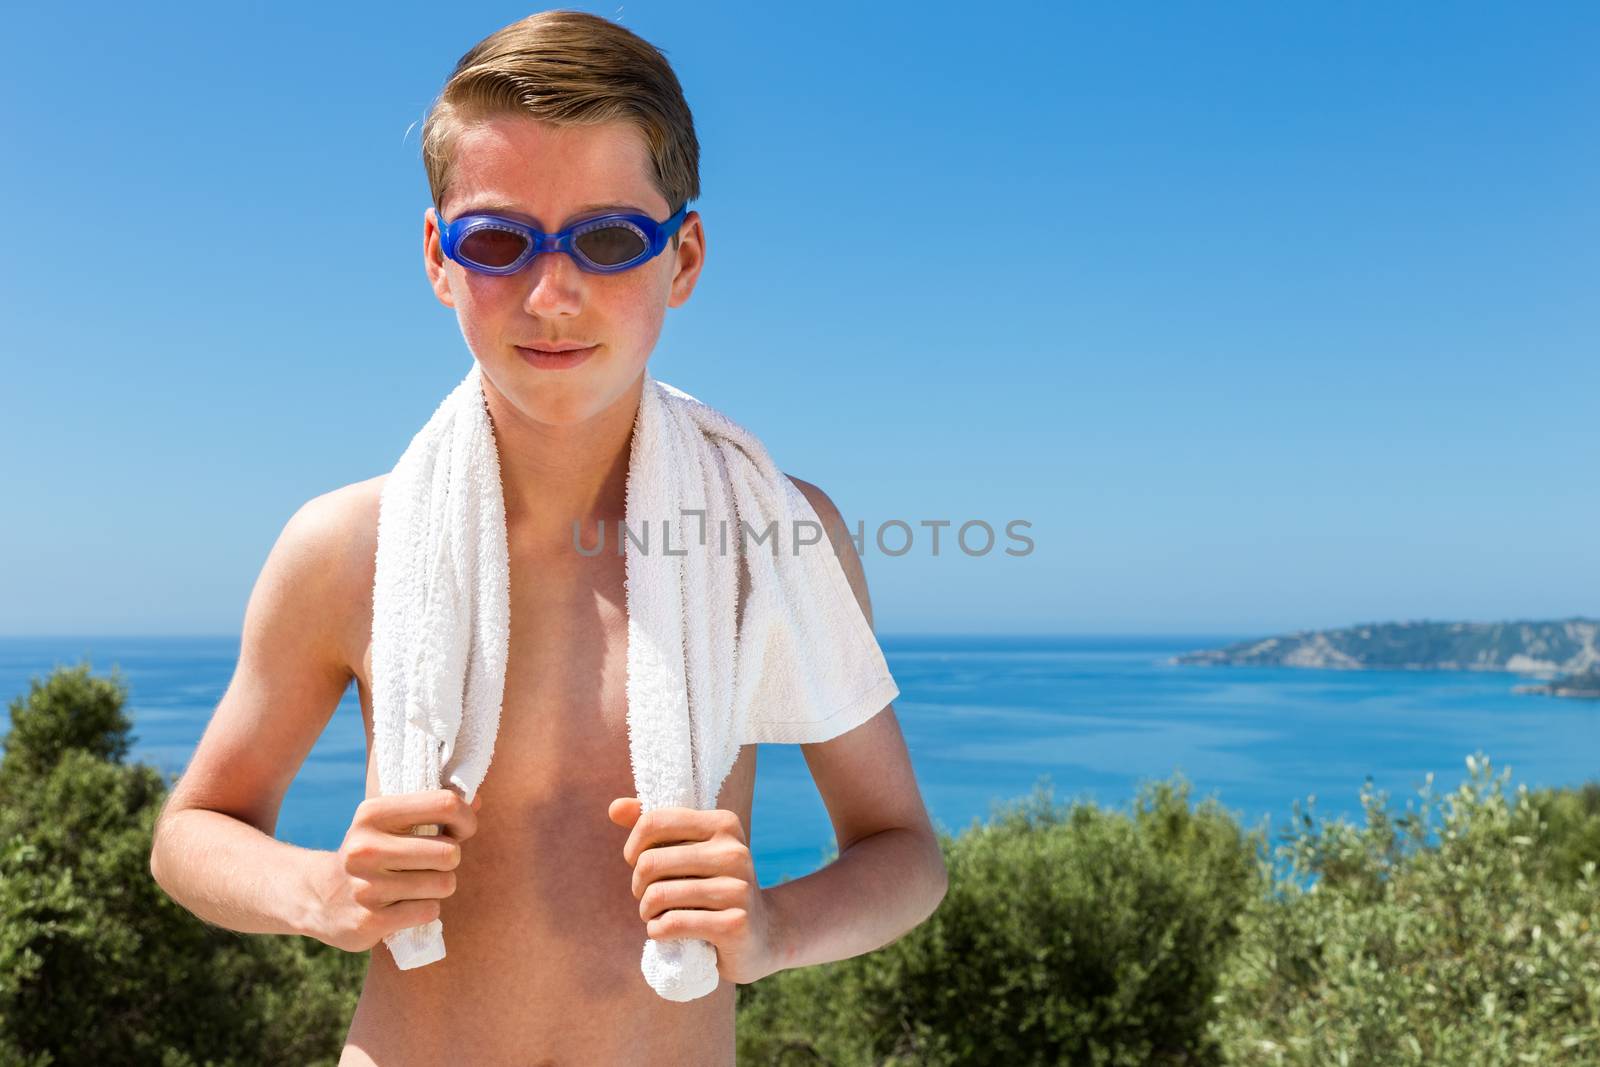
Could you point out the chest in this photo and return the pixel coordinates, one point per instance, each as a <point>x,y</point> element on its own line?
<point>562,743</point>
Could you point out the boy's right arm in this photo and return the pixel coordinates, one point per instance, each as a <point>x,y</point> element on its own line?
<point>214,851</point>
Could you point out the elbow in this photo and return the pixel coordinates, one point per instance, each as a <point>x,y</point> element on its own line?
<point>938,874</point>
<point>155,855</point>
<point>158,836</point>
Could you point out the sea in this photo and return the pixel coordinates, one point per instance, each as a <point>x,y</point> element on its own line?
<point>988,721</point>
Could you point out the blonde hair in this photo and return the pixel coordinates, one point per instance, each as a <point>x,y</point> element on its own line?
<point>569,68</point>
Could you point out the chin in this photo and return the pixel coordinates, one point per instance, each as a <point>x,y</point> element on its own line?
<point>558,398</point>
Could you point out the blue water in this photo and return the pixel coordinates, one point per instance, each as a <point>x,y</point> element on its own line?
<point>986,719</point>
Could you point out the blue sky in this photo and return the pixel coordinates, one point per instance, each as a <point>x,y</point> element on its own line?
<point>1264,316</point>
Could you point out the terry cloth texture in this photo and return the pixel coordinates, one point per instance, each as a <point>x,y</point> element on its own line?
<point>703,500</point>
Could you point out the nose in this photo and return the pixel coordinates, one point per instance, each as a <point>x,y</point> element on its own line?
<point>555,285</point>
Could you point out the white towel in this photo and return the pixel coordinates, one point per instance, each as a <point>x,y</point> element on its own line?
<point>702,495</point>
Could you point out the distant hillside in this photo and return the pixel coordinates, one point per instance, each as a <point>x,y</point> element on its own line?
<point>1570,646</point>
<point>1586,684</point>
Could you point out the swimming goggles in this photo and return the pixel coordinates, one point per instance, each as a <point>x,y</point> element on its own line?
<point>606,244</point>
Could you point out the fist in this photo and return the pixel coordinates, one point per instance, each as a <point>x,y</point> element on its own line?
<point>694,878</point>
<point>396,865</point>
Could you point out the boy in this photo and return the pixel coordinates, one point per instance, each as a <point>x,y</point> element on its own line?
<point>550,881</point>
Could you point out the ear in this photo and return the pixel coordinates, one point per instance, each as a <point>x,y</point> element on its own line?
<point>690,257</point>
<point>433,258</point>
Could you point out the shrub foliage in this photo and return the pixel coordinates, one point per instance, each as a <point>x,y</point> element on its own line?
<point>1462,931</point>
<point>97,964</point>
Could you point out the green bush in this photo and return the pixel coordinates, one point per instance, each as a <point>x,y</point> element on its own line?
<point>1165,935</point>
<point>1069,934</point>
<point>97,964</point>
<point>1572,831</point>
<point>1379,945</point>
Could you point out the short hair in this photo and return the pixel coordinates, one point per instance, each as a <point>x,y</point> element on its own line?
<point>575,69</point>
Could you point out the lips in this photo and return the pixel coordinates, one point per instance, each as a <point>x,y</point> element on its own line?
<point>556,346</point>
<point>560,356</point>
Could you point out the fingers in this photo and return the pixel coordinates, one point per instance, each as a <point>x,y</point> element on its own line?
<point>714,926</point>
<point>700,859</point>
<point>624,811</point>
<point>420,853</point>
<point>393,856</point>
<point>708,893</point>
<point>397,864</point>
<point>404,914</point>
<point>388,888</point>
<point>674,825</point>
<point>428,812</point>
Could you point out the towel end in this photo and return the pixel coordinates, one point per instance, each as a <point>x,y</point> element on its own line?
<point>417,946</point>
<point>680,969</point>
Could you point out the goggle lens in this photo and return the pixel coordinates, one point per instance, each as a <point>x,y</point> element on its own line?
<point>611,244</point>
<point>492,247</point>
<point>604,244</point>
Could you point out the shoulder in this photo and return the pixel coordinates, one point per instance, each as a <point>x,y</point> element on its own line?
<point>821,503</point>
<point>329,547</point>
<point>339,527</point>
<point>844,546</point>
<point>827,513</point>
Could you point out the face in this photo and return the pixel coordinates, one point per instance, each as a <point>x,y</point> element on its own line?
<point>550,177</point>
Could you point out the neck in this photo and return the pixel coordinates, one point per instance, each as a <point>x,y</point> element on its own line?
<point>555,475</point>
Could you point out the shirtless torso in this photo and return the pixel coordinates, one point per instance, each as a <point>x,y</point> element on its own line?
<point>543,934</point>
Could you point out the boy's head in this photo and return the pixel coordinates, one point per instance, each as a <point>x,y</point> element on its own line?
<point>555,119</point>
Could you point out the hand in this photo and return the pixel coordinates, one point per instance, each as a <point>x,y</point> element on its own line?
<point>694,878</point>
<point>384,877</point>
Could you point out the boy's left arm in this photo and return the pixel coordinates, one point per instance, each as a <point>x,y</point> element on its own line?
<point>889,875</point>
